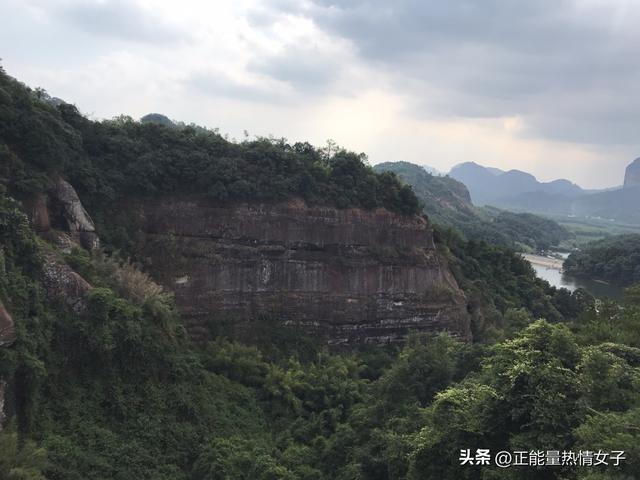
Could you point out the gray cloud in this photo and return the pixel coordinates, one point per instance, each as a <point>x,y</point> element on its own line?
<point>119,19</point>
<point>568,68</point>
<point>304,68</point>
<point>219,85</point>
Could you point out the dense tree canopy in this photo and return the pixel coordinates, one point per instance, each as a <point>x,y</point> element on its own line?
<point>615,259</point>
<point>112,159</point>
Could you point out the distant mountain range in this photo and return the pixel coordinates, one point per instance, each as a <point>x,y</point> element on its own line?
<point>447,203</point>
<point>520,191</point>
<point>491,186</point>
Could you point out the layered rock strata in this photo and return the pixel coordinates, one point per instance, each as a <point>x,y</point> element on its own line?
<point>349,276</point>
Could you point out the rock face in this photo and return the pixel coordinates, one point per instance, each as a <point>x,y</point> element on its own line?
<point>37,210</point>
<point>632,174</point>
<point>64,285</point>
<point>7,330</point>
<point>59,216</point>
<point>67,206</point>
<point>350,276</point>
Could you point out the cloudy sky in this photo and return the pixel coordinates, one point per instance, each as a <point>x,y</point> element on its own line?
<point>547,86</point>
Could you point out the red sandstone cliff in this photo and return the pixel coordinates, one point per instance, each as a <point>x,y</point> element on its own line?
<point>351,276</point>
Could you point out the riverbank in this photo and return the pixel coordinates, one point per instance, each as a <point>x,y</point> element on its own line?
<point>547,262</point>
<point>550,269</point>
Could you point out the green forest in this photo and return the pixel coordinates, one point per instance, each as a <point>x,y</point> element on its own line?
<point>108,160</point>
<point>122,393</point>
<point>614,259</point>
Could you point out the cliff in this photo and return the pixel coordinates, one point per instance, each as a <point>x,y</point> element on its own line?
<point>632,174</point>
<point>349,276</point>
<point>346,275</point>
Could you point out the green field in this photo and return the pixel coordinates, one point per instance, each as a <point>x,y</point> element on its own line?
<point>589,229</point>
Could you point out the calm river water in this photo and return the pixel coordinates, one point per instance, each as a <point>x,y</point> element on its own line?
<point>554,275</point>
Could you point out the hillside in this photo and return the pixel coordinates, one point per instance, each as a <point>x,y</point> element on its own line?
<point>441,195</point>
<point>447,202</point>
<point>620,205</point>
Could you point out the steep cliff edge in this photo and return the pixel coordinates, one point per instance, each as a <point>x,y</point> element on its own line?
<point>350,276</point>
<point>632,174</point>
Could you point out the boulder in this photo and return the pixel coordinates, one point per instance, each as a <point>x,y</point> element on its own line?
<point>69,208</point>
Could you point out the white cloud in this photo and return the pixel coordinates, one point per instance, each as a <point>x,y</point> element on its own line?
<point>546,86</point>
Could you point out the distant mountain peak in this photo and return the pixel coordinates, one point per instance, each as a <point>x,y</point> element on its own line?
<point>157,118</point>
<point>632,174</point>
<point>492,186</point>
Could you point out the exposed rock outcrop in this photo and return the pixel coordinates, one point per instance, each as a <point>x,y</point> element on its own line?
<point>64,285</point>
<point>350,276</point>
<point>59,216</point>
<point>632,174</point>
<point>67,205</point>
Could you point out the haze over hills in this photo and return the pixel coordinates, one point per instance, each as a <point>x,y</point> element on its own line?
<point>491,186</point>
<point>521,191</point>
<point>447,202</point>
<point>632,174</point>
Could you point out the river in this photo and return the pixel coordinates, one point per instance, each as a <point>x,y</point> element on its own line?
<point>550,269</point>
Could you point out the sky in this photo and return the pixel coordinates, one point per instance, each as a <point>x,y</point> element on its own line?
<point>545,86</point>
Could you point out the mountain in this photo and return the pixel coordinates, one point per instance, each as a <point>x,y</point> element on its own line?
<point>622,205</point>
<point>237,231</point>
<point>495,171</point>
<point>632,174</point>
<point>433,171</point>
<point>447,202</point>
<point>437,193</point>
<point>491,186</point>
<point>520,191</point>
